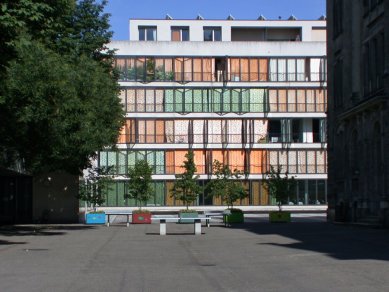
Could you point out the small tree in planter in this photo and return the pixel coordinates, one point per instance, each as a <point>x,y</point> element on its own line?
<point>93,190</point>
<point>140,189</point>
<point>229,187</point>
<point>186,188</point>
<point>279,186</point>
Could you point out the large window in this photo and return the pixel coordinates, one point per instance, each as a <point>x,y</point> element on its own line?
<point>180,34</point>
<point>254,69</point>
<point>212,34</point>
<point>147,33</point>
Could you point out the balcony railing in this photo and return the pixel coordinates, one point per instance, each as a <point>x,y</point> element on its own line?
<point>220,76</point>
<point>253,138</point>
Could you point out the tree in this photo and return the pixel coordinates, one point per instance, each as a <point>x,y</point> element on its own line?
<point>139,184</point>
<point>59,99</point>
<point>279,186</point>
<point>96,186</point>
<point>227,185</point>
<point>186,188</point>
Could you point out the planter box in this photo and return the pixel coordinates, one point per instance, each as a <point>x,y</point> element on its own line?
<point>184,215</point>
<point>279,217</point>
<point>141,218</point>
<point>233,217</point>
<point>95,218</point>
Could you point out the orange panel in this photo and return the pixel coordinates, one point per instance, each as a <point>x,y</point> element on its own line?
<point>255,193</point>
<point>282,100</point>
<point>131,130</point>
<point>169,199</point>
<point>254,70</point>
<point>176,36</point>
<point>150,131</point>
<point>199,160</point>
<point>141,131</point>
<point>301,100</point>
<point>217,201</point>
<point>244,69</point>
<point>264,195</point>
<point>257,161</point>
<point>197,74</point>
<point>219,155</point>
<point>120,63</point>
<point>188,69</point>
<point>263,69</point>
<point>234,69</point>
<point>207,69</point>
<point>273,100</point>
<point>236,159</point>
<point>122,135</point>
<point>168,65</point>
<point>320,100</point>
<point>169,162</point>
<point>160,131</point>
<point>178,67</point>
<point>179,158</point>
<point>291,100</point>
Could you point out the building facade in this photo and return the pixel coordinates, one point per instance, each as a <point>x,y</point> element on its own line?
<point>358,72</point>
<point>250,94</point>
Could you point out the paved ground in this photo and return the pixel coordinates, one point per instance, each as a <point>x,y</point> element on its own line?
<point>306,255</point>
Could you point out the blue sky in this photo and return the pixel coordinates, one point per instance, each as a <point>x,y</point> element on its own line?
<point>122,10</point>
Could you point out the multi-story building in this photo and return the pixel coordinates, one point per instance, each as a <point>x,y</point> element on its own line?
<point>250,94</point>
<point>358,50</point>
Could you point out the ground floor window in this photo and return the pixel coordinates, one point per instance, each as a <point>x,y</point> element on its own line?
<point>307,192</point>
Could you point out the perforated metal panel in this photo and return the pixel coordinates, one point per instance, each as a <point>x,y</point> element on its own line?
<point>198,129</point>
<point>159,162</point>
<point>122,157</point>
<point>169,100</point>
<point>302,162</point>
<point>181,131</point>
<point>130,100</point>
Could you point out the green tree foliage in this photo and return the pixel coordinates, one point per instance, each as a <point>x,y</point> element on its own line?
<point>59,100</point>
<point>280,186</point>
<point>139,184</point>
<point>186,188</point>
<point>95,186</point>
<point>227,184</point>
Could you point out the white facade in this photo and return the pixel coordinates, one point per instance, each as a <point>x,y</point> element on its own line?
<point>310,30</point>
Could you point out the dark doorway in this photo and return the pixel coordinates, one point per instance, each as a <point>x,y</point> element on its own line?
<point>15,197</point>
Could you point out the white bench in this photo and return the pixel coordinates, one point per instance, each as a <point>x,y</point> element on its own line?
<point>210,215</point>
<point>127,214</point>
<point>163,220</point>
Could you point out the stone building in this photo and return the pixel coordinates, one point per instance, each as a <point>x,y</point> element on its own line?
<point>358,92</point>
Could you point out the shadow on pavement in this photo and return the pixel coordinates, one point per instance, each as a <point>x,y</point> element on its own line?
<point>39,230</point>
<point>6,242</point>
<point>343,242</point>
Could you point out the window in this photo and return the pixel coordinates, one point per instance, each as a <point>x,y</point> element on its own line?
<point>147,33</point>
<point>212,34</point>
<point>180,34</point>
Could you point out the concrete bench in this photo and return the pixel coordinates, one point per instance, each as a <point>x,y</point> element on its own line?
<point>127,214</point>
<point>210,215</point>
<point>164,220</point>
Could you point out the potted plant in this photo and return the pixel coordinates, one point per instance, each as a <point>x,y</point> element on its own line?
<point>279,187</point>
<point>228,186</point>
<point>186,188</point>
<point>139,189</point>
<point>93,190</point>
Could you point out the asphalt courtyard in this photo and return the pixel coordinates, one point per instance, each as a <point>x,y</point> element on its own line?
<point>305,255</point>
